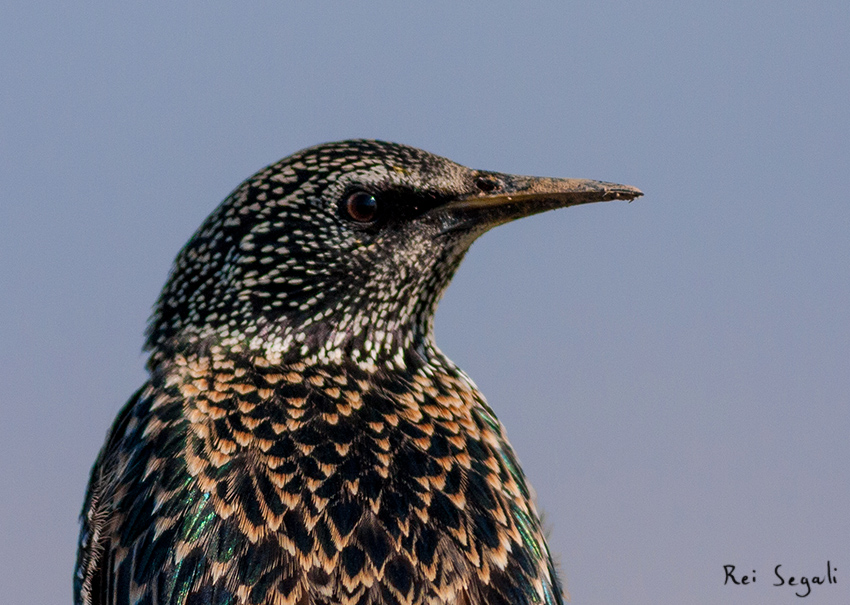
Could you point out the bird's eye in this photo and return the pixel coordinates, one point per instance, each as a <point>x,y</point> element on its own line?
<point>361,207</point>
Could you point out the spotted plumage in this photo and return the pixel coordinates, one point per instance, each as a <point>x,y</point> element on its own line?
<point>301,440</point>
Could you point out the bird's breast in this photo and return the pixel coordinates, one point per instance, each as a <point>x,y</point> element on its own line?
<point>359,478</point>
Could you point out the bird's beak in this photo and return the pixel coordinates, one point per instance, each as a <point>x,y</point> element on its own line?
<point>500,198</point>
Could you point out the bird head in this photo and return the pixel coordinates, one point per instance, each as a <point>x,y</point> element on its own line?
<point>341,252</point>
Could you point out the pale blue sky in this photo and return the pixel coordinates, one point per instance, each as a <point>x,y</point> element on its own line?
<point>673,373</point>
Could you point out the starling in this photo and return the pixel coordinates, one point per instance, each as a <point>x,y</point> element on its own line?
<point>301,440</point>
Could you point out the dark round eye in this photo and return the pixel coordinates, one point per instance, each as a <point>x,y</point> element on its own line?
<point>361,207</point>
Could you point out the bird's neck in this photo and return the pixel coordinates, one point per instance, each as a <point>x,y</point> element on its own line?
<point>373,349</point>
<point>392,336</point>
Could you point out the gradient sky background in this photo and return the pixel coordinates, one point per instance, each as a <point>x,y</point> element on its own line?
<point>673,373</point>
